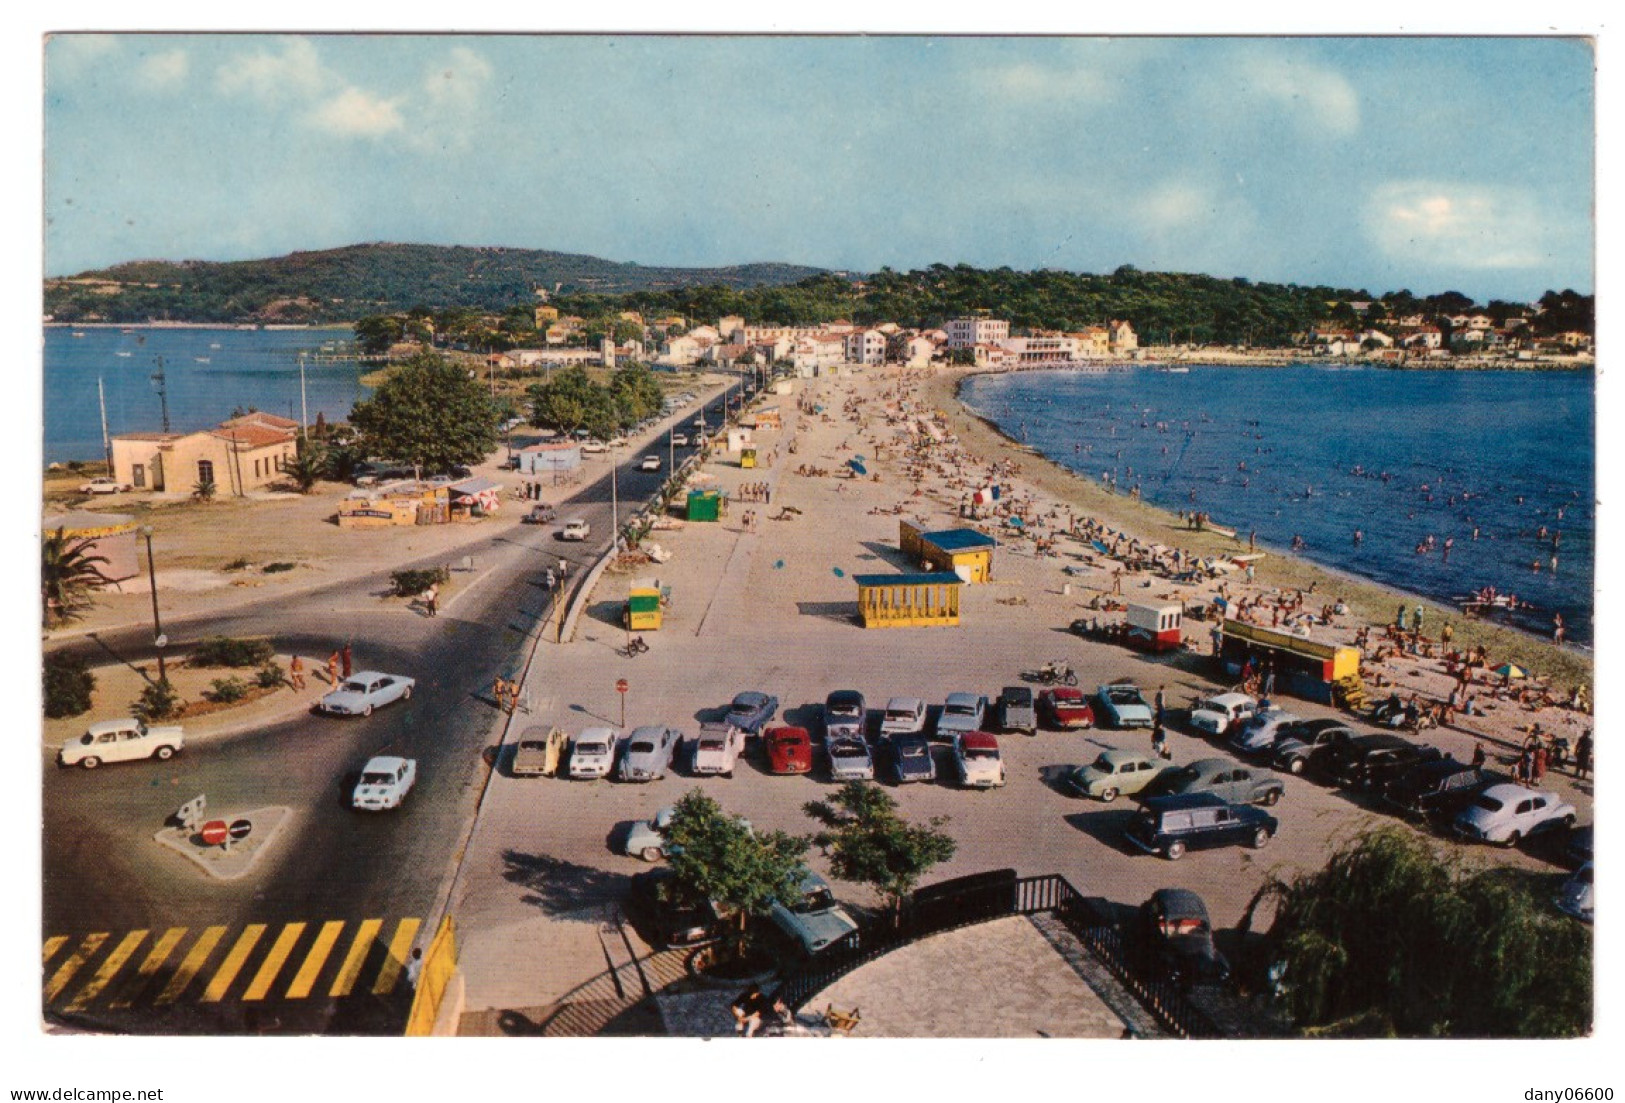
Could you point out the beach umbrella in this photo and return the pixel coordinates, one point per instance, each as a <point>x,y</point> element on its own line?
<point>855,465</point>
<point>1511,670</point>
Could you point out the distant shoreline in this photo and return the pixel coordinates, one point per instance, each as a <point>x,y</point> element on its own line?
<point>245,326</point>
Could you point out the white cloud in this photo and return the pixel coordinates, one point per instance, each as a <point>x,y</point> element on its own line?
<point>1456,225</point>
<point>294,72</point>
<point>1323,98</point>
<point>72,53</point>
<point>1174,206</point>
<point>164,71</point>
<point>457,83</point>
<point>354,113</point>
<point>1026,80</point>
<point>448,102</point>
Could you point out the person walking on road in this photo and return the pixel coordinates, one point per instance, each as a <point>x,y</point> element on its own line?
<point>296,672</point>
<point>431,599</point>
<point>333,669</point>
<point>347,660</point>
<point>1582,756</point>
<point>499,692</point>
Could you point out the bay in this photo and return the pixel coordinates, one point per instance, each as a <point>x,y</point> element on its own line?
<point>1319,452</point>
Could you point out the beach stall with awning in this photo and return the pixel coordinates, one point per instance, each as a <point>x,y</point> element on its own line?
<point>1304,667</point>
<point>965,552</point>
<point>928,599</point>
<point>475,497</point>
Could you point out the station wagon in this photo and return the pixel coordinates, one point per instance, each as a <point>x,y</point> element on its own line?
<point>1172,825</point>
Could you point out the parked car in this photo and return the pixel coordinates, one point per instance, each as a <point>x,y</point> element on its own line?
<point>750,710</point>
<point>1507,814</point>
<point>911,758</point>
<point>1216,716</point>
<point>591,447</point>
<point>1438,790</point>
<point>647,839</point>
<point>903,716</point>
<point>1368,762</point>
<point>1259,733</point>
<point>1174,824</point>
<point>1066,707</point>
<point>575,529</point>
<point>1576,897</point>
<point>103,485</point>
<point>679,440</point>
<point>592,754</point>
<point>1016,712</point>
<point>961,712</point>
<point>1116,772</point>
<point>977,755</point>
<point>718,748</point>
<point>1580,845</point>
<point>1309,746</point>
<point>1178,939</point>
<point>1123,706</point>
<point>843,715</point>
<point>122,740</point>
<point>789,750</point>
<point>649,463</point>
<point>385,781</point>
<point>670,914</point>
<point>817,918</point>
<point>1232,781</point>
<point>365,691</point>
<point>538,752</point>
<point>849,759</point>
<point>649,752</point>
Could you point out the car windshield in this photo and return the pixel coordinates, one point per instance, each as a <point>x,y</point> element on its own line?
<point>591,748</point>
<point>642,746</point>
<point>980,752</point>
<point>1123,695</point>
<point>816,901</point>
<point>1210,706</point>
<point>1489,803</point>
<point>355,687</point>
<point>532,745</point>
<point>911,750</point>
<point>1104,765</point>
<point>899,714</point>
<point>846,750</point>
<point>1187,924</point>
<point>376,779</point>
<point>711,744</point>
<point>960,710</point>
<point>844,710</point>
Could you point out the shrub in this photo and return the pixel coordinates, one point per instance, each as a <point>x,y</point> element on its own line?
<point>224,691</point>
<point>158,701</point>
<point>269,676</point>
<point>204,490</point>
<point>236,565</point>
<point>278,568</point>
<point>68,685</point>
<point>413,583</point>
<point>227,651</point>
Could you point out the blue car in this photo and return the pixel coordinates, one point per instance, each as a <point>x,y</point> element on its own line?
<point>911,758</point>
<point>750,710</point>
<point>1123,706</point>
<point>365,691</point>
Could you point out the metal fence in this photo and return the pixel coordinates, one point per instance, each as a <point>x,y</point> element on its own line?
<point>978,899</point>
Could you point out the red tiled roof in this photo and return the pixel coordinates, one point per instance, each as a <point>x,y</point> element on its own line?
<point>251,435</point>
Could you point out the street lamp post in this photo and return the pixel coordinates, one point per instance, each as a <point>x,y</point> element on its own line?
<point>614,500</point>
<point>158,637</point>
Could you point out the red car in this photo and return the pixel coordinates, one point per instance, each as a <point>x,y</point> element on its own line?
<point>789,750</point>
<point>1066,707</point>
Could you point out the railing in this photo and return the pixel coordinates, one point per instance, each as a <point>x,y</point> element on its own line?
<point>981,900</point>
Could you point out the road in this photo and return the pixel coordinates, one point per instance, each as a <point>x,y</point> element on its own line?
<point>302,943</point>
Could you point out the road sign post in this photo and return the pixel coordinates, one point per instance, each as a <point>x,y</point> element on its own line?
<point>215,833</point>
<point>621,686</point>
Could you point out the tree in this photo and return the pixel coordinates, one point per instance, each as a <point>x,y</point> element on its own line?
<point>68,685</point>
<point>307,465</point>
<point>570,400</point>
<point>429,413</point>
<point>1390,939</point>
<point>719,857</point>
<point>870,844</point>
<point>635,394</point>
<point>205,489</point>
<point>68,574</point>
<point>376,332</point>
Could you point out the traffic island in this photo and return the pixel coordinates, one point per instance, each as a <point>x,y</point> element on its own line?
<point>226,847</point>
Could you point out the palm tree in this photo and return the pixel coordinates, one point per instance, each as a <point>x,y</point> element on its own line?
<point>307,465</point>
<point>67,575</point>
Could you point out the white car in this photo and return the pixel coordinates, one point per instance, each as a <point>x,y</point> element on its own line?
<point>1262,730</point>
<point>961,712</point>
<point>679,440</point>
<point>849,759</point>
<point>364,691</point>
<point>1507,814</point>
<point>903,716</point>
<point>593,753</point>
<point>120,740</point>
<point>575,529</point>
<point>717,748</point>
<point>593,447</point>
<point>649,752</point>
<point>1123,706</point>
<point>647,839</point>
<point>1215,715</point>
<point>385,781</point>
<point>977,755</point>
<point>649,463</point>
<point>102,485</point>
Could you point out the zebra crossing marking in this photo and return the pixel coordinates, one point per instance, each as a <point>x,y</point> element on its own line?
<point>76,961</point>
<point>399,946</point>
<point>272,965</point>
<point>109,969</point>
<point>352,961</point>
<point>220,983</point>
<point>305,979</point>
<point>155,958</point>
<point>191,964</point>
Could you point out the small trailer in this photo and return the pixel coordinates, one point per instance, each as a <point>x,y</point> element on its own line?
<point>1154,627</point>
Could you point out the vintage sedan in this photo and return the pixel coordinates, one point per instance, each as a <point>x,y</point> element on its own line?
<point>671,916</point>
<point>538,752</point>
<point>1067,708</point>
<point>647,839</point>
<point>751,710</point>
<point>1178,939</point>
<point>576,528</point>
<point>903,716</point>
<point>789,750</point>
<point>717,748</point>
<point>816,919</point>
<point>1172,825</point>
<point>961,712</point>
<point>649,751</point>
<point>1439,790</point>
<point>911,759</point>
<point>1115,772</point>
<point>1016,711</point>
<point>849,759</point>
<point>977,756</point>
<point>1259,733</point>
<point>1123,706</point>
<point>1576,897</point>
<point>1507,814</point>
<point>649,463</point>
<point>1225,778</point>
<point>365,691</point>
<point>1369,762</point>
<point>385,781</point>
<point>1311,745</point>
<point>592,754</point>
<point>844,714</point>
<point>103,485</point>
<point>122,740</point>
<point>1215,716</point>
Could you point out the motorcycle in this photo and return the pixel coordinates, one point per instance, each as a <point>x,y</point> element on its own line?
<point>1053,672</point>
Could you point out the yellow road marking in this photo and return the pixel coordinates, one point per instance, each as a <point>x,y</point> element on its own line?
<point>52,945</point>
<point>223,976</point>
<point>109,969</point>
<point>76,961</point>
<point>305,979</point>
<point>352,961</point>
<point>272,965</point>
<point>191,964</point>
<point>155,958</point>
<point>399,947</point>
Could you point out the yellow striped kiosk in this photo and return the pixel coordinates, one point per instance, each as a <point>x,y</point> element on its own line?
<point>908,600</point>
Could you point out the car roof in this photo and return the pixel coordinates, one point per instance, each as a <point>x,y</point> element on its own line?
<point>749,697</point>
<point>844,697</point>
<point>1381,741</point>
<point>1181,801</point>
<point>649,731</point>
<point>384,763</point>
<point>368,675</point>
<point>1508,791</point>
<point>787,731</point>
<point>1323,723</point>
<point>1230,699</point>
<point>907,704</point>
<point>101,727</point>
<point>963,698</point>
<point>1117,685</point>
<point>1180,903</point>
<point>597,733</point>
<point>1208,765</point>
<point>1123,754</point>
<point>982,741</point>
<point>1065,693</point>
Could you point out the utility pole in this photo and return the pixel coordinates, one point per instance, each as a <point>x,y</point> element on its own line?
<point>163,392</point>
<point>159,640</point>
<point>107,444</point>
<point>304,412</point>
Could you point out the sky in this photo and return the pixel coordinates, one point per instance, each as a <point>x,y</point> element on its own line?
<point>1432,164</point>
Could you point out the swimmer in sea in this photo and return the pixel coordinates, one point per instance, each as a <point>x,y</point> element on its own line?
<point>1358,536</point>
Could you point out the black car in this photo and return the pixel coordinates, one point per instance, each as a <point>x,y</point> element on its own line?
<point>1307,746</point>
<point>1371,761</point>
<point>1177,939</point>
<point>1438,790</point>
<point>1172,825</point>
<point>670,917</point>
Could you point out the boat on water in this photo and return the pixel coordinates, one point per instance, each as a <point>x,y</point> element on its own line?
<point>124,354</point>
<point>214,344</point>
<point>201,359</point>
<point>1178,369</point>
<point>78,333</point>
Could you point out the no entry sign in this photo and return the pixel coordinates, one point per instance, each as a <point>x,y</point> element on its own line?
<point>240,829</point>
<point>214,832</point>
<point>622,685</point>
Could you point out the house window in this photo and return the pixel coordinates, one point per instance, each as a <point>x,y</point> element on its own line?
<point>205,471</point>
<point>138,475</point>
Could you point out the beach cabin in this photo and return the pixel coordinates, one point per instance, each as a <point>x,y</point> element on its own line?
<point>739,439</point>
<point>908,600</point>
<point>706,505</point>
<point>768,417</point>
<point>1154,627</point>
<point>548,459</point>
<point>1303,667</point>
<point>747,457</point>
<point>403,503</point>
<point>963,552</point>
<point>641,613</point>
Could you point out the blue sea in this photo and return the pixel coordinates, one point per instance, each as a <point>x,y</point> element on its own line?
<point>1320,452</point>
<point>244,368</point>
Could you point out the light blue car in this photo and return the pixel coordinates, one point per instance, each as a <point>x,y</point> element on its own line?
<point>365,691</point>
<point>817,919</point>
<point>1123,706</point>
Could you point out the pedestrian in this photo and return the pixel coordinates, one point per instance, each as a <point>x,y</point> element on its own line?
<point>513,696</point>
<point>1399,620</point>
<point>431,600</point>
<point>750,1007</point>
<point>1538,762</point>
<point>1582,755</point>
<point>1446,634</point>
<point>346,660</point>
<point>1418,620</point>
<point>296,672</point>
<point>564,567</point>
<point>333,669</point>
<point>1159,703</point>
<point>414,967</point>
<point>499,691</point>
<point>1159,740</point>
<point>1480,755</point>
<point>1269,678</point>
